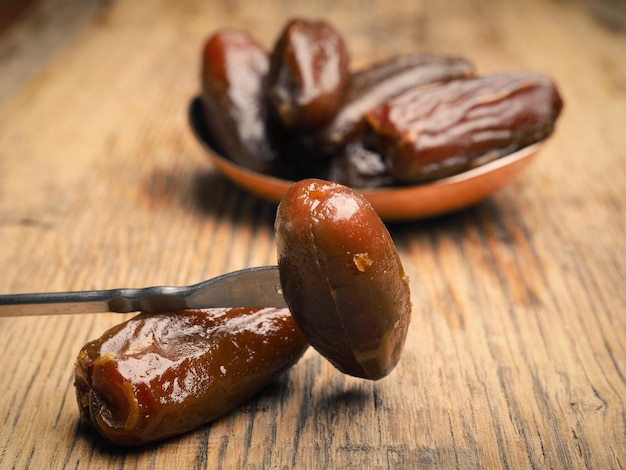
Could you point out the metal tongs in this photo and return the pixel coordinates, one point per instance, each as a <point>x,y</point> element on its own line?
<point>252,287</point>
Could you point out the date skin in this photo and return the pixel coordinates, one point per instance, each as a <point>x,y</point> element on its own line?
<point>372,86</point>
<point>308,73</point>
<point>430,133</point>
<point>234,67</point>
<point>159,375</point>
<point>359,167</point>
<point>342,277</point>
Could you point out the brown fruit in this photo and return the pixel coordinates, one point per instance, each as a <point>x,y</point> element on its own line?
<point>158,375</point>
<point>342,277</point>
<point>308,73</point>
<point>234,67</point>
<point>434,132</point>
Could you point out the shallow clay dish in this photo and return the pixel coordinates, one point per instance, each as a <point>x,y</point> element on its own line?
<point>391,203</point>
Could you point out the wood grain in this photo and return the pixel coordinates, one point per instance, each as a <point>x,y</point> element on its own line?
<point>516,355</point>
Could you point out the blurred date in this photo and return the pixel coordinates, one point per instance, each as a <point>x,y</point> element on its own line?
<point>373,85</point>
<point>308,74</point>
<point>234,66</point>
<point>435,132</point>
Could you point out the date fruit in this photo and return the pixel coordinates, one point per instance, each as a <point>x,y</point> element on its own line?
<point>359,167</point>
<point>342,277</point>
<point>371,86</point>
<point>434,132</point>
<point>308,73</point>
<point>159,375</point>
<point>234,67</point>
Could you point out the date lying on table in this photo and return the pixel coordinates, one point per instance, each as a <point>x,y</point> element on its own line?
<point>419,116</point>
<point>158,375</point>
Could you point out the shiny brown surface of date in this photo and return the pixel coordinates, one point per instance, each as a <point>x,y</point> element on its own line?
<point>234,67</point>
<point>371,86</point>
<point>430,133</point>
<point>359,167</point>
<point>342,277</point>
<point>308,73</point>
<point>158,375</point>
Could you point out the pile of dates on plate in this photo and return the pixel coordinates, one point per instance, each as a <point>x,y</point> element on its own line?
<point>300,111</point>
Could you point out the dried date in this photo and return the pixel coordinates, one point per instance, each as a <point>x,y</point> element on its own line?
<point>158,375</point>
<point>434,132</point>
<point>308,73</point>
<point>342,277</point>
<point>377,83</point>
<point>234,67</point>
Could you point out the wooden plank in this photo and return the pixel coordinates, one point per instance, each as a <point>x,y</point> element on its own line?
<point>516,353</point>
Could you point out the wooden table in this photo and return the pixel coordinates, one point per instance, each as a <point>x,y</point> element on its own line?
<point>516,355</point>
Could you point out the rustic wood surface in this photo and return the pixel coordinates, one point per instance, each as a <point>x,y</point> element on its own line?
<point>516,355</point>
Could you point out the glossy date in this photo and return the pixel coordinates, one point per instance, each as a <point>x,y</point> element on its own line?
<point>158,375</point>
<point>234,67</point>
<point>434,132</point>
<point>342,277</point>
<point>375,84</point>
<point>308,73</point>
